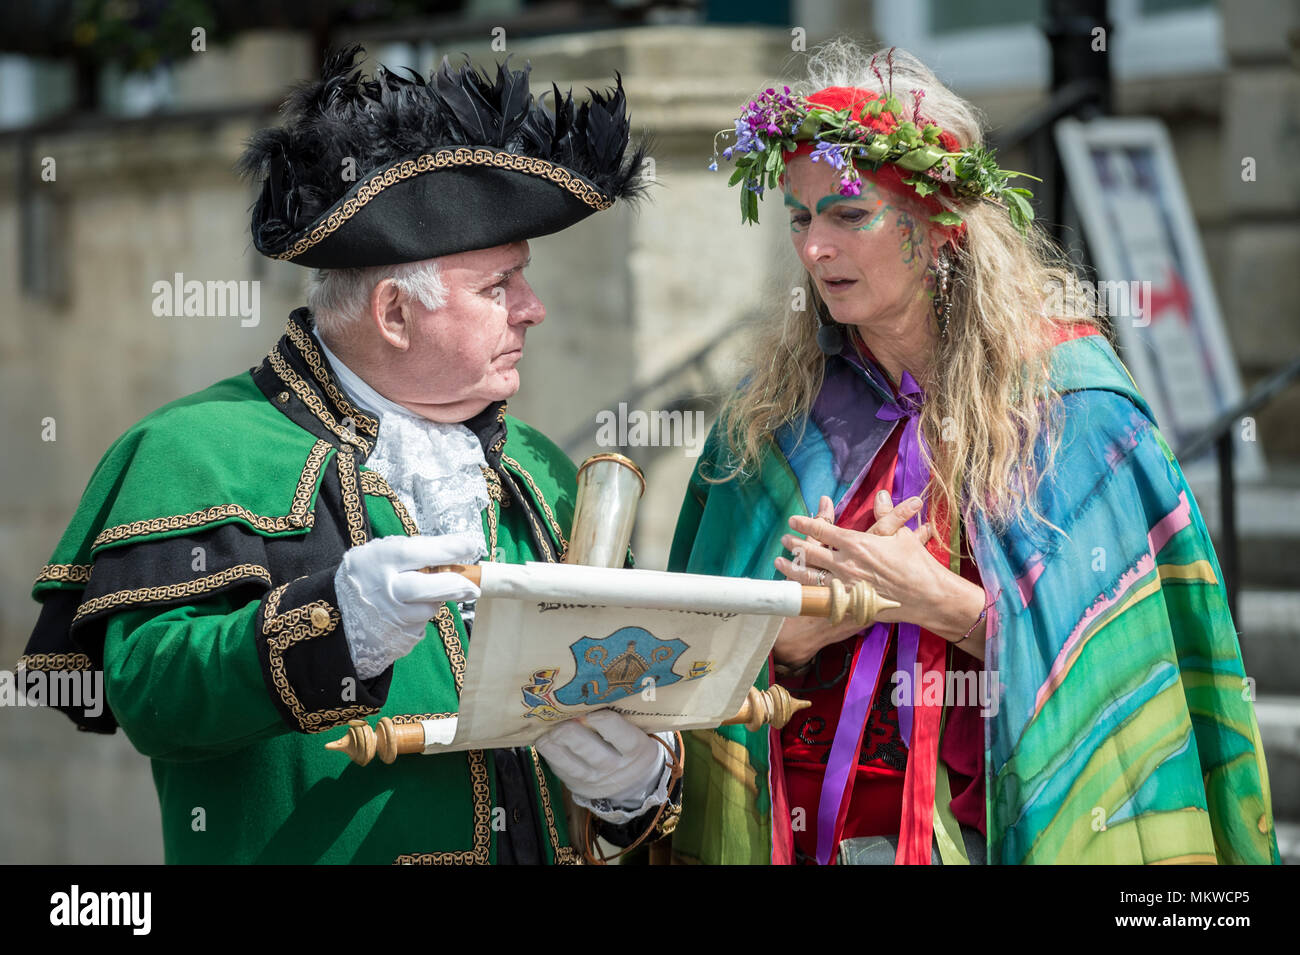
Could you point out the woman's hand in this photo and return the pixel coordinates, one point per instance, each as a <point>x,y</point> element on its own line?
<point>892,558</point>
<point>801,637</point>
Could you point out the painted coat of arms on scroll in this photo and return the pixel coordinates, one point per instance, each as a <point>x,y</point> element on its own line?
<point>533,663</point>
<point>629,661</point>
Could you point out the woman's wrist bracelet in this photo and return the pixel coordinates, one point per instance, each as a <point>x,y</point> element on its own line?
<point>983,614</point>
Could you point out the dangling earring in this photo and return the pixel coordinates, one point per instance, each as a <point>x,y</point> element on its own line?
<point>830,334</point>
<point>942,296</point>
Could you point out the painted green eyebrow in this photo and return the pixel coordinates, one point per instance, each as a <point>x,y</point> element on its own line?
<point>830,200</point>
<point>822,203</point>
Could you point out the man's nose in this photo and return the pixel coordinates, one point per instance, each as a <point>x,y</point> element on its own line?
<point>528,308</point>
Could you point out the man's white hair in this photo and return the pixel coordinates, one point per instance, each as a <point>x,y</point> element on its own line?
<point>339,297</point>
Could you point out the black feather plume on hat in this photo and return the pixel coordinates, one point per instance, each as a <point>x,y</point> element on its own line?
<point>343,121</point>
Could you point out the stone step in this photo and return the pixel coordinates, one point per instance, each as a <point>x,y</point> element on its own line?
<point>1279,729</point>
<point>1288,841</point>
<point>1268,523</point>
<point>1268,622</point>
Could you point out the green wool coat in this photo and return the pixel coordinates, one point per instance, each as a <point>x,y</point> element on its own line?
<point>198,574</point>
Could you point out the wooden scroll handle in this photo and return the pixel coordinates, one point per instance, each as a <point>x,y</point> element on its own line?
<point>388,740</point>
<point>771,707</point>
<point>471,572</point>
<point>859,603</point>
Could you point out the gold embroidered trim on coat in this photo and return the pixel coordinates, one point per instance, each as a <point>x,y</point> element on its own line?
<point>451,640</point>
<point>188,588</point>
<point>284,630</point>
<point>348,483</point>
<point>493,480</point>
<point>564,855</point>
<point>66,573</point>
<point>407,718</point>
<point>445,159</point>
<point>501,420</point>
<point>316,362</point>
<point>493,514</point>
<point>481,853</point>
<point>299,517</point>
<point>312,400</point>
<point>541,499</point>
<point>372,482</point>
<point>539,535</point>
<point>54,661</point>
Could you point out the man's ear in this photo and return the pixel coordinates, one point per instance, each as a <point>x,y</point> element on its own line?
<point>389,314</point>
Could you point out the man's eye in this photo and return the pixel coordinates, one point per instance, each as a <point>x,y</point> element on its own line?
<point>799,221</point>
<point>853,215</point>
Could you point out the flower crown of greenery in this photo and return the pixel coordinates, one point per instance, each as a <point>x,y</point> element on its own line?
<point>774,123</point>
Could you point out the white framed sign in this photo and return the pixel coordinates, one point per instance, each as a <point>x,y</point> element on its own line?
<point>1153,279</point>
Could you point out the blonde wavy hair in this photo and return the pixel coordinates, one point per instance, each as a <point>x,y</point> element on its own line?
<point>989,399</point>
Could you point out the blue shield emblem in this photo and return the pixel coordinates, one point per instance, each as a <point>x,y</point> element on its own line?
<point>619,665</point>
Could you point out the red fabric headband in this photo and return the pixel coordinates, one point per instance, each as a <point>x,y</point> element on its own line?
<point>889,176</point>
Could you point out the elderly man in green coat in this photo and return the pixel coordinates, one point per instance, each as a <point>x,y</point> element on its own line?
<point>244,564</point>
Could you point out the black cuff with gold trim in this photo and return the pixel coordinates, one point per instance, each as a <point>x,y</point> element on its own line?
<point>305,657</point>
<point>157,572</point>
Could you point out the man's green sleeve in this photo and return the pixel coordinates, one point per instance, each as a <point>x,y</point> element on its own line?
<point>186,683</point>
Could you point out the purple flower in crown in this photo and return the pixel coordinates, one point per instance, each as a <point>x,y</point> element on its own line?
<point>851,187</point>
<point>769,113</point>
<point>746,141</point>
<point>831,153</point>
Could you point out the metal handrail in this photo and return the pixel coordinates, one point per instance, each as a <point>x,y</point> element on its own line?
<point>1259,396</point>
<point>1066,101</point>
<point>1219,434</point>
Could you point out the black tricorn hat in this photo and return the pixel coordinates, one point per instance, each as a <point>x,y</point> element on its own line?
<point>392,170</point>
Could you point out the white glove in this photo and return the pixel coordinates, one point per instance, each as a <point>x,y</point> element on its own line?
<point>610,766</point>
<point>384,599</point>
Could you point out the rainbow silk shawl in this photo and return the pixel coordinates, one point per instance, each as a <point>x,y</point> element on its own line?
<point>1124,730</point>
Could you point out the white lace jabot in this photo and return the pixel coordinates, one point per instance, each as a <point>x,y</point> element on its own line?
<point>435,469</point>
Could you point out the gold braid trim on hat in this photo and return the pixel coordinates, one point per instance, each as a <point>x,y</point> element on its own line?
<point>446,159</point>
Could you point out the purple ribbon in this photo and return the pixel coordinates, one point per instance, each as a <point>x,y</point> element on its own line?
<point>843,759</point>
<point>910,477</point>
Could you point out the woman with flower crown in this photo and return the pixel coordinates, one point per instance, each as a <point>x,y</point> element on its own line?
<point>935,414</point>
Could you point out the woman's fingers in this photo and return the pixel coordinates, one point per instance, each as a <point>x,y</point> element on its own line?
<point>892,520</point>
<point>883,504</point>
<point>804,574</point>
<point>809,552</point>
<point>821,531</point>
